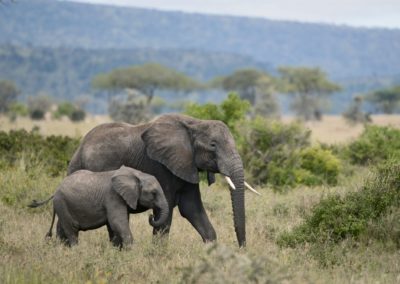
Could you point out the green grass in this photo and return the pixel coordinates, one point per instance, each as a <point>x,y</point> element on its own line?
<point>25,256</point>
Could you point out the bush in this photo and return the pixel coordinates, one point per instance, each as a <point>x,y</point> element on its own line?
<point>323,166</point>
<point>68,109</point>
<point>53,152</point>
<point>78,115</point>
<point>36,114</point>
<point>337,218</point>
<point>38,106</point>
<point>280,154</point>
<point>17,109</point>
<point>375,145</point>
<point>230,111</point>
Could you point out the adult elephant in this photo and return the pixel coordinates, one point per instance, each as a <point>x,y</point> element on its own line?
<point>173,148</point>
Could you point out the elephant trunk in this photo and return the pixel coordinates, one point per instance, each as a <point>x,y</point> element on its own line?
<point>236,174</point>
<point>161,212</point>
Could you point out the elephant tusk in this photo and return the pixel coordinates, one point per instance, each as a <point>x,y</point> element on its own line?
<point>252,189</point>
<point>228,179</point>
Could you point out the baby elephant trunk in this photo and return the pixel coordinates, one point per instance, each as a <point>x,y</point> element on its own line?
<point>161,212</point>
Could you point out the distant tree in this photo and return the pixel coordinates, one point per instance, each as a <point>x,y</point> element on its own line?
<point>8,95</point>
<point>73,111</point>
<point>253,85</point>
<point>132,108</point>
<point>385,100</point>
<point>38,106</point>
<point>146,79</point>
<point>17,109</point>
<point>354,113</point>
<point>310,87</point>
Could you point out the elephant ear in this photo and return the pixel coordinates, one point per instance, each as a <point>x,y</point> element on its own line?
<point>169,143</point>
<point>127,186</point>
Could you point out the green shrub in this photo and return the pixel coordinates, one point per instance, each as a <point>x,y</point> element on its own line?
<point>78,115</point>
<point>321,165</point>
<point>64,109</point>
<point>230,111</point>
<point>375,145</point>
<point>17,109</point>
<point>336,218</point>
<point>53,152</point>
<point>280,155</point>
<point>36,114</point>
<point>71,111</point>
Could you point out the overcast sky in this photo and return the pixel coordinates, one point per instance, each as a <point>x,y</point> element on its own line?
<point>366,13</point>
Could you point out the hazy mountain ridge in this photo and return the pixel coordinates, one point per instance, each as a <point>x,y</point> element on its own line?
<point>67,72</point>
<point>341,51</point>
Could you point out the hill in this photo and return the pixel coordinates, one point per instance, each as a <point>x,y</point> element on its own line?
<point>340,50</point>
<point>67,72</point>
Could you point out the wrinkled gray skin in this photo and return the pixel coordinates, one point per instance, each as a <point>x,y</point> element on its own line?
<point>88,200</point>
<point>173,148</point>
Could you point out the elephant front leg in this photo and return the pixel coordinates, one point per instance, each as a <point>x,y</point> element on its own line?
<point>118,228</point>
<point>191,207</point>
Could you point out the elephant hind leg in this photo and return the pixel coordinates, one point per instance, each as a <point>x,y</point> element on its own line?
<point>67,227</point>
<point>67,235</point>
<point>113,237</point>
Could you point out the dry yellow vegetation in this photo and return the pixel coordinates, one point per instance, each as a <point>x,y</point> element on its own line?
<point>50,126</point>
<point>332,129</point>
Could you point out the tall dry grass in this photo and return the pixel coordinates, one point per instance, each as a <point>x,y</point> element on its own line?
<point>26,257</point>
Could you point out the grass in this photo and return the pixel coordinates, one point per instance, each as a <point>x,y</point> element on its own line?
<point>54,127</point>
<point>25,256</point>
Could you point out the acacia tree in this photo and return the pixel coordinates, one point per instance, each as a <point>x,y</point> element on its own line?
<point>8,95</point>
<point>385,100</point>
<point>146,79</point>
<point>140,84</point>
<point>309,87</point>
<point>354,113</point>
<point>253,85</point>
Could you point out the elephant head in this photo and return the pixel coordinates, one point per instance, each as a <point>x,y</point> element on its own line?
<point>137,187</point>
<point>186,146</point>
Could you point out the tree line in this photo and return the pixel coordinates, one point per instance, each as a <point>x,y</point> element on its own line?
<point>133,93</point>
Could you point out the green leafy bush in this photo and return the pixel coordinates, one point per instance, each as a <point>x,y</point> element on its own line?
<point>53,152</point>
<point>280,155</point>
<point>375,145</point>
<point>336,218</point>
<point>71,111</point>
<point>230,111</point>
<point>321,164</point>
<point>78,115</point>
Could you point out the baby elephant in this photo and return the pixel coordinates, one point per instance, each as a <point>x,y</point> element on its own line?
<point>88,200</point>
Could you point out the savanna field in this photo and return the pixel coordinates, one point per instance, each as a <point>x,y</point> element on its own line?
<point>340,225</point>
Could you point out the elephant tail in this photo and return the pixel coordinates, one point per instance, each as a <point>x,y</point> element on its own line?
<point>36,203</point>
<point>49,233</point>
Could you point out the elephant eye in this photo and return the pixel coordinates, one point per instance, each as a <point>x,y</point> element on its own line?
<point>213,144</point>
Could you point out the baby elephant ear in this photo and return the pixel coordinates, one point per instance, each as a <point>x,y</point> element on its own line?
<point>127,186</point>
